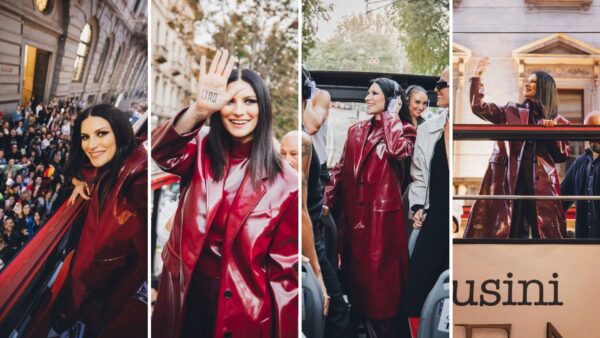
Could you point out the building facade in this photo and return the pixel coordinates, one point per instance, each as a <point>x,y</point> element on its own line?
<point>95,51</point>
<point>175,57</point>
<point>521,36</point>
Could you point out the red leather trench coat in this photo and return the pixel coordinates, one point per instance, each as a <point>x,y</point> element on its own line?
<point>258,294</point>
<point>364,194</point>
<point>491,218</point>
<point>110,263</point>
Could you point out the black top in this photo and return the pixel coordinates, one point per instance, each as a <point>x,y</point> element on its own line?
<point>439,182</point>
<point>315,196</point>
<point>583,178</point>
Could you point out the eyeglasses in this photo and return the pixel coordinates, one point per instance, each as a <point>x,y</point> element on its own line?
<point>441,85</point>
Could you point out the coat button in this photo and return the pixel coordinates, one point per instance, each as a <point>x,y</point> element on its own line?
<point>227,294</point>
<point>227,335</point>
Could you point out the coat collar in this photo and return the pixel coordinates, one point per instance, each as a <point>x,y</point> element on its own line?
<point>435,124</point>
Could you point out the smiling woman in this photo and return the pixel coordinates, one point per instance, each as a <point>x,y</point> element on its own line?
<point>231,259</point>
<point>109,170</point>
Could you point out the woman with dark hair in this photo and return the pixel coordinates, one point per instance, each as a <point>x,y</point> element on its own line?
<point>417,102</point>
<point>520,167</point>
<point>229,267</point>
<point>109,170</point>
<point>365,197</point>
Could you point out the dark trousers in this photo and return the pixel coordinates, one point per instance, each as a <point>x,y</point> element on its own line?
<point>338,320</point>
<point>201,306</point>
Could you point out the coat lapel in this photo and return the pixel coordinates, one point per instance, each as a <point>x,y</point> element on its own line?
<point>361,135</point>
<point>367,145</point>
<point>245,201</point>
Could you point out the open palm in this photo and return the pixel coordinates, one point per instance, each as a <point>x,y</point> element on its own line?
<point>212,85</point>
<point>482,66</point>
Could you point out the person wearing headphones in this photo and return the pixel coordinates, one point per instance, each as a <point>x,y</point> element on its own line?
<point>418,102</point>
<point>365,197</point>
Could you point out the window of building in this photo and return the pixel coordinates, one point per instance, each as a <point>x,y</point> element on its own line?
<point>82,53</point>
<point>102,62</point>
<point>43,6</point>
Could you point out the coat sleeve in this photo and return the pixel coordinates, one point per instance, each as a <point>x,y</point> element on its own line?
<point>487,111</point>
<point>172,152</point>
<point>399,137</point>
<point>282,269</point>
<point>417,193</point>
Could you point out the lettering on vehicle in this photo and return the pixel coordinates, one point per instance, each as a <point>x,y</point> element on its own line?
<point>493,292</point>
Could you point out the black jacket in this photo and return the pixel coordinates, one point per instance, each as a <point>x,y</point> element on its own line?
<point>574,183</point>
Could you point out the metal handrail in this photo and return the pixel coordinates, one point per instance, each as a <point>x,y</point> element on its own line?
<point>486,132</point>
<point>527,197</point>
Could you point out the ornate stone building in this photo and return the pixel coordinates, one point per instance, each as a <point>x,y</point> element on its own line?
<point>95,50</point>
<point>175,56</point>
<point>520,36</point>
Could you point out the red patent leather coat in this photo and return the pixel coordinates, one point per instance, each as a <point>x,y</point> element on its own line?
<point>110,263</point>
<point>491,218</point>
<point>260,255</point>
<point>364,193</point>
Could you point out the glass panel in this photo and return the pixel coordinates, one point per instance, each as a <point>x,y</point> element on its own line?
<point>86,34</point>
<point>82,50</point>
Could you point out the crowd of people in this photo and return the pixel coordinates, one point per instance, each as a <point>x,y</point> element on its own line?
<point>34,145</point>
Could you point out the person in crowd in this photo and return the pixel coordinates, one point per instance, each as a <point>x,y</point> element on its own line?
<point>428,195</point>
<point>315,104</point>
<point>365,197</point>
<point>12,235</point>
<point>289,148</point>
<point>6,253</point>
<point>314,121</point>
<point>108,169</point>
<point>417,103</point>
<point>237,220</point>
<point>520,167</point>
<point>583,178</point>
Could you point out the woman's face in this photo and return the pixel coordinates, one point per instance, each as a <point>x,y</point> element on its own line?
<point>36,217</point>
<point>375,100</point>
<point>240,114</point>
<point>26,209</point>
<point>98,140</point>
<point>417,104</point>
<point>530,87</point>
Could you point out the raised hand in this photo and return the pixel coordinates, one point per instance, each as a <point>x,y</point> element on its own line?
<point>212,92</point>
<point>212,85</point>
<point>482,66</point>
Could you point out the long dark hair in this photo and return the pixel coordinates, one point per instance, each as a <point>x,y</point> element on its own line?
<point>546,94</point>
<point>405,110</point>
<point>263,158</point>
<point>391,89</point>
<point>125,145</point>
